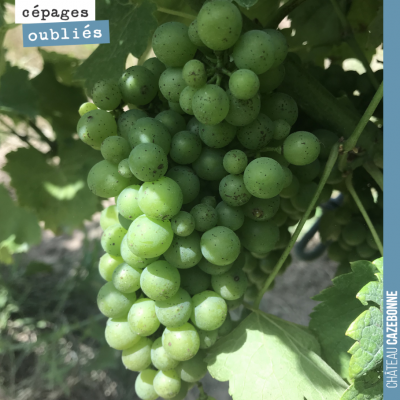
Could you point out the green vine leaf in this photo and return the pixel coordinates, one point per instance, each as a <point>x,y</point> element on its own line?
<point>131,28</point>
<point>339,308</point>
<point>375,29</point>
<point>266,357</point>
<point>368,387</point>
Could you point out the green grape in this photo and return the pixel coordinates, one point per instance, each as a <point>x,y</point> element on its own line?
<point>210,201</point>
<point>307,173</point>
<point>259,236</point>
<point>234,304</point>
<point>128,119</point>
<point>115,149</point>
<point>209,165</point>
<point>155,66</point>
<point>124,171</point>
<point>205,217</point>
<point>172,120</point>
<point>171,84</point>
<point>194,74</point>
<point>112,238</point>
<point>127,203</point>
<point>185,147</point>
<point>181,343</point>
<point>148,162</point>
<point>261,209</point>
<point>193,125</point>
<point>370,239</point>
<point>280,46</point>
<point>160,280</point>
<point>137,358</point>
<point>235,162</point>
<point>142,317</point>
<point>171,44</point>
<point>288,208</point>
<point>167,384</point>
<point>144,385</point>
<point>257,277</point>
<point>219,24</point>
<point>257,134</point>
<point>244,84</point>
<point>187,181</point>
<point>343,244</point>
<point>231,217</point>
<point>210,104</point>
<point>284,238</point>
<point>149,237</point>
<point>207,338</point>
<point>107,265</point>
<point>336,253</point>
<point>251,293</point>
<point>301,148</point>
<point>86,107</point>
<point>149,130</point>
<point>288,177</point>
<point>250,262</point>
<point>185,387</point>
<point>271,79</point>
<point>132,259</point>
<point>104,181</point>
<point>160,199</point>
<point>280,106</point>
<point>108,217</point>
<point>112,303</point>
<point>255,51</point>
<point>126,279</point>
<point>186,98</point>
<point>96,126</point>
<point>260,184</point>
<point>220,245</point>
<point>242,112</point>
<point>329,229</point>
<point>194,369</point>
<point>231,285</point>
<point>118,334</point>
<point>217,136</point>
<point>354,233</point>
<point>227,327</point>
<point>304,196</point>
<point>281,129</point>
<point>279,219</point>
<point>106,94</point>
<point>194,35</point>
<point>160,358</point>
<point>268,263</point>
<point>213,269</point>
<point>277,157</point>
<point>183,224</point>
<point>209,310</point>
<point>175,311</point>
<point>194,280</point>
<point>291,190</point>
<point>233,190</point>
<point>365,251</point>
<point>138,85</point>
<point>124,222</point>
<point>326,139</point>
<point>176,107</point>
<point>184,252</point>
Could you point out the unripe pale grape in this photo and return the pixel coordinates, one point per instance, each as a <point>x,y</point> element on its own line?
<point>176,107</point>
<point>209,165</point>
<point>231,217</point>
<point>194,369</point>
<point>291,190</point>
<point>187,180</point>
<point>128,119</point>
<point>86,107</point>
<point>144,385</point>
<point>301,148</point>
<point>126,279</point>
<point>137,357</point>
<point>220,245</point>
<point>167,383</point>
<point>108,217</point>
<point>96,126</point>
<point>172,120</point>
<point>280,106</point>
<point>213,269</point>
<point>106,94</point>
<point>171,84</point>
<point>194,35</point>
<point>142,317</point>
<point>226,327</point>
<point>280,46</point>
<point>112,303</point>
<point>233,190</point>
<point>160,280</point>
<point>112,238</point>
<point>231,285</point>
<point>259,236</point>
<point>281,129</point>
<point>132,259</point>
<point>115,149</point>
<point>124,170</point>
<point>257,134</point>
<point>155,66</point>
<point>185,147</point>
<point>207,338</point>
<point>205,217</point>
<point>217,136</point>
<point>194,280</point>
<point>306,173</point>
<point>186,98</point>
<point>183,224</point>
<point>194,73</point>
<point>244,84</point>
<point>261,209</point>
<point>118,334</point>
<point>242,112</point>
<point>160,358</point>
<point>127,203</point>
<point>171,44</point>
<point>235,162</point>
<point>107,266</point>
<point>138,85</point>
<point>210,104</point>
<point>219,24</point>
<point>354,233</point>
<point>327,139</point>
<point>271,79</point>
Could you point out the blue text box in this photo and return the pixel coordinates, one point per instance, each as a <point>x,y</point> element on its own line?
<point>65,33</point>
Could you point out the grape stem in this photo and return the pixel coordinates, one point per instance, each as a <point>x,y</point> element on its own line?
<point>202,394</point>
<point>226,71</point>
<point>328,168</point>
<point>352,191</point>
<point>282,12</point>
<point>177,13</point>
<point>375,172</point>
<point>351,142</point>
<point>348,36</point>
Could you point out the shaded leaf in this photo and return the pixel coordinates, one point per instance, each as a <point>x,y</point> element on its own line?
<point>376,29</point>
<point>131,28</point>
<point>339,308</point>
<point>368,387</point>
<point>246,3</point>
<point>268,358</point>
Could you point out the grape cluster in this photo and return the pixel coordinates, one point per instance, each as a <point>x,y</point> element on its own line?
<point>207,178</point>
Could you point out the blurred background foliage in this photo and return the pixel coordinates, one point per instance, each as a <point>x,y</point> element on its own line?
<point>51,336</point>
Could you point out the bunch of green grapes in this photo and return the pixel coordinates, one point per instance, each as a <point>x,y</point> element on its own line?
<point>208,182</point>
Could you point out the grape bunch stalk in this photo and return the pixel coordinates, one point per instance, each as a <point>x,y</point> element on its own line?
<point>208,176</point>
